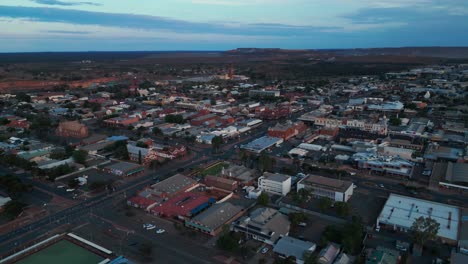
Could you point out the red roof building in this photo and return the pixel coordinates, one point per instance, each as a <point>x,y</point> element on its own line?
<point>73,129</point>
<point>183,205</point>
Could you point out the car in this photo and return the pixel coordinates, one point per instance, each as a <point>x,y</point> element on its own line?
<point>381,186</point>
<point>302,224</point>
<point>265,250</point>
<point>160,231</point>
<point>354,186</point>
<point>352,173</point>
<point>150,227</point>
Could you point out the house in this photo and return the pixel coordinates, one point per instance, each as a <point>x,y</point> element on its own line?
<point>334,189</point>
<point>275,183</point>
<point>73,129</point>
<point>267,225</point>
<point>328,254</point>
<point>292,247</point>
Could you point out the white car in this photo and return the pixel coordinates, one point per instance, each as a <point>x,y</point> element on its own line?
<point>150,226</point>
<point>160,231</point>
<point>381,186</point>
<point>265,250</point>
<point>354,186</point>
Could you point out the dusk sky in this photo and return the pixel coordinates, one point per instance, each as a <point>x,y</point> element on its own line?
<point>125,25</point>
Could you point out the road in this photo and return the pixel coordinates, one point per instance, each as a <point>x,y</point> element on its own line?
<point>74,214</point>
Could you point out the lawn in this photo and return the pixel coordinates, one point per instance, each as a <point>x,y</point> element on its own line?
<point>215,170</point>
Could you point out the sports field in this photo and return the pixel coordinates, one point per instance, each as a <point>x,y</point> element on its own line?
<point>62,252</point>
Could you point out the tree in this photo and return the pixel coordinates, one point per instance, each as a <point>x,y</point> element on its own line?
<point>342,208</point>
<point>80,156</point>
<point>216,142</point>
<point>265,162</point>
<point>13,208</point>
<point>73,183</point>
<point>176,119</point>
<point>157,131</point>
<point>424,229</point>
<point>23,97</point>
<point>395,121</point>
<point>296,218</point>
<point>325,203</point>
<point>140,159</point>
<point>301,196</point>
<point>263,199</point>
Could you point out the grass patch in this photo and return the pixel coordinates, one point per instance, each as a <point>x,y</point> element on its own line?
<point>215,170</point>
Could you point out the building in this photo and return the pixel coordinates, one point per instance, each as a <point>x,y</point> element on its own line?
<point>400,212</point>
<point>73,129</point>
<point>263,224</point>
<point>463,236</point>
<point>336,190</point>
<point>262,143</point>
<point>292,247</point>
<point>3,201</point>
<point>328,254</point>
<point>172,186</point>
<point>264,93</point>
<point>198,121</point>
<point>451,175</point>
<point>124,169</point>
<point>220,183</point>
<point>275,183</point>
<point>389,165</point>
<point>183,205</point>
<point>212,220</point>
<point>287,130</point>
<point>122,121</point>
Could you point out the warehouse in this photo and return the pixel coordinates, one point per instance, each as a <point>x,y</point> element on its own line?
<point>400,212</point>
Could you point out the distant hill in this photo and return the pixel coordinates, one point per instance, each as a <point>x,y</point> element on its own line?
<point>435,52</point>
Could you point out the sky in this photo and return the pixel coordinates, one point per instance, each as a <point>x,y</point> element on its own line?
<point>160,25</point>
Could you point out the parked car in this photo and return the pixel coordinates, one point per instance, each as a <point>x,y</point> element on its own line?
<point>160,231</point>
<point>265,250</point>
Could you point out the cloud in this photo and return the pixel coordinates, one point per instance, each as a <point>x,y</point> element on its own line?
<point>62,3</point>
<point>68,32</point>
<point>79,17</point>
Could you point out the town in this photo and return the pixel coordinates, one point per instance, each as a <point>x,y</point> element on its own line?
<point>201,163</point>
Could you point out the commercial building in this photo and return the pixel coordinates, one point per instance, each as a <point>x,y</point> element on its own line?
<point>202,119</point>
<point>292,247</point>
<point>183,205</point>
<point>172,186</point>
<point>390,165</point>
<point>73,129</point>
<point>400,212</point>
<point>122,121</point>
<point>263,224</point>
<point>212,220</point>
<point>261,144</point>
<point>451,175</point>
<point>220,183</point>
<point>334,189</point>
<point>275,183</point>
<point>125,169</point>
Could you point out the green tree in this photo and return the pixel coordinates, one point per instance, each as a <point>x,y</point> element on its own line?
<point>302,195</point>
<point>342,208</point>
<point>23,97</point>
<point>263,199</point>
<point>80,156</point>
<point>73,183</point>
<point>140,159</point>
<point>265,162</point>
<point>325,203</point>
<point>297,218</point>
<point>13,208</point>
<point>157,131</point>
<point>395,121</point>
<point>216,142</point>
<point>176,119</point>
<point>424,229</point>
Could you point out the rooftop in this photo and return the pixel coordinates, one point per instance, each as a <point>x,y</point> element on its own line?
<point>218,214</point>
<point>277,177</point>
<point>402,211</point>
<point>327,183</point>
<point>173,185</point>
<point>289,246</point>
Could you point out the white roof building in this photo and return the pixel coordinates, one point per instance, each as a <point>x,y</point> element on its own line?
<point>400,212</point>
